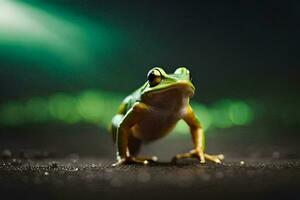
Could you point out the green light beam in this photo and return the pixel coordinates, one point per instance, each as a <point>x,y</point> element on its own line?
<point>52,37</point>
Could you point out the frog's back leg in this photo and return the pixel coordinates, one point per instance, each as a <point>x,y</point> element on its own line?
<point>134,144</point>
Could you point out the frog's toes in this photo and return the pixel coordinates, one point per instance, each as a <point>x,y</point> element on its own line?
<point>136,160</point>
<point>215,158</point>
<point>119,162</point>
<point>147,160</point>
<point>221,156</point>
<point>182,156</point>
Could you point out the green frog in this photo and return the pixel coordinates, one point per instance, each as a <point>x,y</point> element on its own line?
<point>152,111</point>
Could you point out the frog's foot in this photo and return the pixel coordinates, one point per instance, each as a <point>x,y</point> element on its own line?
<point>134,160</point>
<point>214,158</point>
<point>200,155</point>
<point>150,159</point>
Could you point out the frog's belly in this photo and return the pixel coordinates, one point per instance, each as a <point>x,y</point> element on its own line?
<point>155,125</point>
<point>165,109</point>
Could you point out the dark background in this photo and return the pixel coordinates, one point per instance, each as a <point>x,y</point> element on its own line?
<point>239,50</point>
<point>245,50</point>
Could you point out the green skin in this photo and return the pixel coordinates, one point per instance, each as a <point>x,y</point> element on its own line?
<point>152,111</point>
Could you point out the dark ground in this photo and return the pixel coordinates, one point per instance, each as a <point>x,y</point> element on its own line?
<point>76,166</point>
<point>94,178</point>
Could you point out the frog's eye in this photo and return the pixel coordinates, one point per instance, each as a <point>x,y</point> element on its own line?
<point>183,71</point>
<point>154,77</point>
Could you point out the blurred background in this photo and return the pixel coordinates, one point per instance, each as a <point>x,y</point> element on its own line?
<point>65,66</point>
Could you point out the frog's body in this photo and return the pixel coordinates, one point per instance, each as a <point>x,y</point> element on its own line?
<point>166,109</point>
<point>152,111</point>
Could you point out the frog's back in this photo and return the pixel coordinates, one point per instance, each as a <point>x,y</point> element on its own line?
<point>129,101</point>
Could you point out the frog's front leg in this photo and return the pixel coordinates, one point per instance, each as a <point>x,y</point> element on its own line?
<point>132,117</point>
<point>199,140</point>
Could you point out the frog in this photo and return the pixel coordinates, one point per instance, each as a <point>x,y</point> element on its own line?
<point>152,111</point>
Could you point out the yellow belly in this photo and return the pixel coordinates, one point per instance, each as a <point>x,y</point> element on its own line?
<point>157,124</point>
<point>163,114</point>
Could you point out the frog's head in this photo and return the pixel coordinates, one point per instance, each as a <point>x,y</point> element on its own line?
<point>159,82</point>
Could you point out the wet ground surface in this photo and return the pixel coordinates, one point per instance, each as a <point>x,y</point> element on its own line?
<point>95,179</point>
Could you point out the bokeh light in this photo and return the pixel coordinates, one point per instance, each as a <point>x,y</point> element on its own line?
<point>220,114</point>
<point>98,107</point>
<point>92,106</point>
<point>36,110</point>
<point>63,108</point>
<point>240,113</point>
<point>12,114</point>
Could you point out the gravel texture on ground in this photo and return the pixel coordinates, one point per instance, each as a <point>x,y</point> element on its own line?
<point>75,178</point>
<point>75,163</point>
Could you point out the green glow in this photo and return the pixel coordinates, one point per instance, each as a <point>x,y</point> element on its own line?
<point>62,107</point>
<point>182,128</point>
<point>220,114</point>
<point>12,114</point>
<point>36,110</point>
<point>93,107</point>
<point>59,38</point>
<point>98,107</point>
<point>240,113</point>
